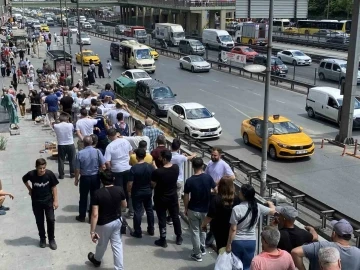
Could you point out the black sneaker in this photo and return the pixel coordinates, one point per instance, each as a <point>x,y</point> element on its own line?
<point>91,258</point>
<point>179,240</point>
<point>134,234</point>
<point>161,242</point>
<point>80,219</point>
<point>42,243</point>
<point>53,244</point>
<point>61,176</point>
<point>151,232</point>
<point>203,250</point>
<point>196,257</point>
<point>4,208</point>
<point>169,220</point>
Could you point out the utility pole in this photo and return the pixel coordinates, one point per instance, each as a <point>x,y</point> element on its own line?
<point>265,131</point>
<point>63,36</point>
<point>350,87</point>
<point>68,37</point>
<point>328,8</point>
<point>79,33</point>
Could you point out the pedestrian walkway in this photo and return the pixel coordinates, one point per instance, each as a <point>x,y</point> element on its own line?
<point>18,232</point>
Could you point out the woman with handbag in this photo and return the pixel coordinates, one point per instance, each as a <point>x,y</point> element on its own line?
<point>106,220</point>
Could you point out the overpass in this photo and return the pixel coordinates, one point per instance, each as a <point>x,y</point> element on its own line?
<point>82,3</point>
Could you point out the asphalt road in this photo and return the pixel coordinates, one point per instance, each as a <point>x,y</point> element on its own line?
<point>326,175</point>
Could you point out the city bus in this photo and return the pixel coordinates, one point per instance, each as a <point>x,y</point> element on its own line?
<point>309,27</point>
<point>279,25</point>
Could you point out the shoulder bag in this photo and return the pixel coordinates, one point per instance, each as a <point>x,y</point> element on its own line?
<point>244,217</point>
<point>124,223</point>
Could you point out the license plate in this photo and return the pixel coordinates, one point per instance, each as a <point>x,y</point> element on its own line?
<point>301,152</point>
<point>209,133</point>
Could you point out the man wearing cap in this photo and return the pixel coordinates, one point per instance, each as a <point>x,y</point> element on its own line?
<point>152,132</point>
<point>291,235</point>
<point>341,236</point>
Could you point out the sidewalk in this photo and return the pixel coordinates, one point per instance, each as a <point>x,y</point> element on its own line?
<point>18,233</point>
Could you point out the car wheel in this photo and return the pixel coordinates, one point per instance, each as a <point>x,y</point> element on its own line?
<point>322,76</point>
<point>311,112</point>
<point>246,138</point>
<point>153,111</point>
<point>187,132</point>
<point>192,69</point>
<point>181,66</point>
<point>294,63</point>
<point>170,121</point>
<point>153,72</point>
<point>272,152</point>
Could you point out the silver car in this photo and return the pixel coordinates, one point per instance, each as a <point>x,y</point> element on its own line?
<point>194,63</point>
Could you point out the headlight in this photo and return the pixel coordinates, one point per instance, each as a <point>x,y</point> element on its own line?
<point>218,127</point>
<point>194,128</point>
<point>283,145</point>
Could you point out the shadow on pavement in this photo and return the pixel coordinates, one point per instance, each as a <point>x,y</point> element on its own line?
<point>66,219</point>
<point>22,241</point>
<point>183,254</point>
<point>87,265</point>
<point>71,208</point>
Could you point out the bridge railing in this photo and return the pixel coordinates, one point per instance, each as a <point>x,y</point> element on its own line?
<point>183,3</point>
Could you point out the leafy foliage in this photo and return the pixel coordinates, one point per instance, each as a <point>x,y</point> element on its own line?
<point>338,9</point>
<point>3,143</point>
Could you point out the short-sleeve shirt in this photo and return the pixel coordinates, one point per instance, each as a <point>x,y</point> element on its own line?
<point>267,261</point>
<point>156,155</point>
<point>86,126</point>
<point>67,103</point>
<point>89,160</point>
<point>64,133</point>
<point>291,238</point>
<point>105,93</point>
<point>109,204</point>
<point>53,103</point>
<point>135,140</point>
<point>179,160</point>
<point>199,187</point>
<point>112,115</point>
<point>140,175</point>
<point>166,183</point>
<point>148,159</point>
<point>117,152</point>
<point>243,232</point>
<point>350,256</point>
<point>41,185</point>
<point>218,170</point>
<point>20,98</point>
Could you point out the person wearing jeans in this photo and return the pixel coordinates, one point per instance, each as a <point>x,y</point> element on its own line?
<point>88,163</point>
<point>139,187</point>
<point>64,134</point>
<point>197,195</point>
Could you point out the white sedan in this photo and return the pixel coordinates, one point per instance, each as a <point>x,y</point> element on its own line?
<point>73,30</point>
<point>295,57</point>
<point>195,120</point>
<point>194,63</point>
<point>136,75</point>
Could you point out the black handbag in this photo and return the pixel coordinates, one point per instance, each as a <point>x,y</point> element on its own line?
<point>123,221</point>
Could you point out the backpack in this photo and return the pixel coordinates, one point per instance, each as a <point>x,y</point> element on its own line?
<point>122,131</point>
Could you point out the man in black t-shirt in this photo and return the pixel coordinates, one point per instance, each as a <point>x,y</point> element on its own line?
<point>292,236</point>
<point>197,194</point>
<point>165,197</point>
<point>66,102</point>
<point>21,102</point>
<point>140,191</point>
<point>44,199</point>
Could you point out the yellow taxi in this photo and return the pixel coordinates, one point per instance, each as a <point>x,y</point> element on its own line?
<point>44,27</point>
<point>291,30</point>
<point>287,140</point>
<point>154,53</point>
<point>87,55</point>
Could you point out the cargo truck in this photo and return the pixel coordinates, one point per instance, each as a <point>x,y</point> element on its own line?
<point>254,34</point>
<point>169,32</point>
<point>137,32</point>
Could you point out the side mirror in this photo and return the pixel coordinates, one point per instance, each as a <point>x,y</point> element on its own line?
<point>212,113</point>
<point>181,116</point>
<point>175,95</point>
<point>338,70</point>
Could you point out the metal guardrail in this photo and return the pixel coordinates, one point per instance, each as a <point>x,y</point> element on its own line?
<point>182,3</point>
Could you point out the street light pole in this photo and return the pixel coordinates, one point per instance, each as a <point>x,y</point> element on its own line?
<point>265,131</point>
<point>68,37</point>
<point>63,36</point>
<point>80,42</point>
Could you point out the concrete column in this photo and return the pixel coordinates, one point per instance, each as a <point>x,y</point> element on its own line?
<point>152,20</point>
<point>222,19</point>
<point>194,18</point>
<point>180,18</point>
<point>144,15</point>
<point>136,15</point>
<point>170,18</point>
<point>188,23</point>
<point>160,16</point>
<point>202,21</point>
<point>212,19</point>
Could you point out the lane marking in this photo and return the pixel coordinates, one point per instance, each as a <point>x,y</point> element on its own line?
<point>234,86</point>
<point>236,109</point>
<point>215,81</point>
<point>199,75</point>
<point>280,101</point>
<point>257,94</point>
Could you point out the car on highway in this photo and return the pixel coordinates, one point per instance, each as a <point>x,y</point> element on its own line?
<point>102,30</point>
<point>91,21</point>
<point>287,139</point>
<point>154,53</point>
<point>73,30</point>
<point>136,75</point>
<point>278,68</point>
<point>50,21</point>
<point>44,27</point>
<point>295,57</point>
<point>155,96</point>
<point>36,26</point>
<point>87,55</point>
<point>86,25</point>
<point>85,39</point>
<point>244,50</point>
<point>120,29</point>
<point>98,24</point>
<point>194,63</point>
<point>191,46</point>
<point>322,33</point>
<point>195,120</point>
<point>334,70</point>
<point>339,40</point>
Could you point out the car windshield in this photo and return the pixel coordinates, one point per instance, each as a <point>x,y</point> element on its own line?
<point>195,43</point>
<point>141,33</point>
<point>343,66</point>
<point>226,38</point>
<point>298,53</point>
<point>276,61</point>
<point>288,127</point>
<point>356,101</point>
<point>84,35</point>
<point>140,75</point>
<point>247,49</point>
<point>162,92</point>
<point>198,113</point>
<point>88,54</point>
<point>143,54</point>
<point>179,35</point>
<point>196,59</point>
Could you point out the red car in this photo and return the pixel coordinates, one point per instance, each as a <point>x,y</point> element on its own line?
<point>250,53</point>
<point>63,32</point>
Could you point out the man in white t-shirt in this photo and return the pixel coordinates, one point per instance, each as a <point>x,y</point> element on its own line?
<point>84,127</point>
<point>30,84</point>
<point>119,107</point>
<point>64,134</point>
<point>217,168</point>
<point>138,137</point>
<point>117,156</point>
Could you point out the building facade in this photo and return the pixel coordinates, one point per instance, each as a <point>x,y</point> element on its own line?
<point>5,11</point>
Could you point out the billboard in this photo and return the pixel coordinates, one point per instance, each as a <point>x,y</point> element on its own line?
<point>283,9</point>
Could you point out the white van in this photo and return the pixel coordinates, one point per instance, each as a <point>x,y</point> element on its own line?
<point>134,55</point>
<point>326,102</point>
<point>217,39</point>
